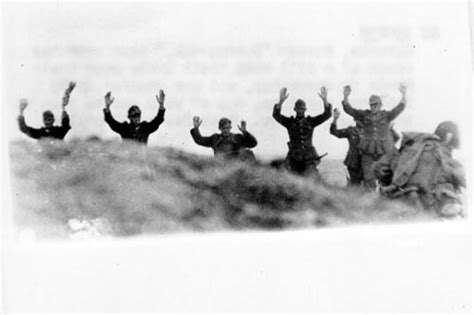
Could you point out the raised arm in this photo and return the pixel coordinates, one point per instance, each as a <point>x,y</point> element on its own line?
<point>277,108</point>
<point>67,94</point>
<point>196,134</point>
<point>31,132</point>
<point>356,113</point>
<point>248,140</point>
<point>160,116</point>
<point>340,133</point>
<point>109,119</point>
<point>401,106</point>
<point>317,120</point>
<point>65,122</point>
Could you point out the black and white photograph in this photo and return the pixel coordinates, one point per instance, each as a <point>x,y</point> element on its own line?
<point>237,156</point>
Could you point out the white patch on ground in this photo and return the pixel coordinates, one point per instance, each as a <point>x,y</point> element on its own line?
<point>87,229</point>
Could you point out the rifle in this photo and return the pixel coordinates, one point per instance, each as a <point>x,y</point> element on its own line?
<point>321,156</point>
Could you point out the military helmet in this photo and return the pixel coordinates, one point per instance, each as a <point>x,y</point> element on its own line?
<point>300,104</point>
<point>375,99</point>
<point>134,110</point>
<point>448,127</point>
<point>48,114</point>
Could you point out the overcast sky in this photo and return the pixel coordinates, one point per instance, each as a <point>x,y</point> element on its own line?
<point>230,60</point>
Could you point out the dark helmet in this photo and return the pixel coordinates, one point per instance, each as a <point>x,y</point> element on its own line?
<point>48,114</point>
<point>300,104</point>
<point>133,110</point>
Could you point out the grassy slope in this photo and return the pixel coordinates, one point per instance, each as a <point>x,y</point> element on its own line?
<point>124,189</point>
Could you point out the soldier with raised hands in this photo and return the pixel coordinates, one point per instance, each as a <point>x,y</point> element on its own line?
<point>353,159</point>
<point>302,157</point>
<point>376,137</point>
<point>49,130</point>
<point>226,144</point>
<point>135,129</point>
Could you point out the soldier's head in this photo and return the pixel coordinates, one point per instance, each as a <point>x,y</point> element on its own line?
<point>225,125</point>
<point>449,134</point>
<point>375,103</point>
<point>48,119</point>
<point>300,108</point>
<point>134,114</point>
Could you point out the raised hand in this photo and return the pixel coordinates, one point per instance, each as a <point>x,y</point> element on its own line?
<point>23,105</point>
<point>67,93</point>
<point>323,94</point>
<point>336,114</point>
<point>108,100</point>
<point>283,95</point>
<point>70,87</point>
<point>403,89</point>
<point>197,122</point>
<point>161,99</point>
<point>347,91</point>
<point>243,126</point>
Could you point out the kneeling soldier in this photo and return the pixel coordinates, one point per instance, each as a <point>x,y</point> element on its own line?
<point>227,144</point>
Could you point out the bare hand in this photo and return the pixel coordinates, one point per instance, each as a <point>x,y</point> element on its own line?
<point>403,89</point>
<point>243,126</point>
<point>283,95</point>
<point>197,122</point>
<point>23,105</point>
<point>108,100</point>
<point>67,93</point>
<point>161,98</point>
<point>337,113</point>
<point>70,87</point>
<point>347,91</point>
<point>323,94</point>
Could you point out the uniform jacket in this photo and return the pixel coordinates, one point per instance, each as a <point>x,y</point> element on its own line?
<point>422,162</point>
<point>138,133</point>
<point>300,131</point>
<point>376,137</point>
<point>230,146</point>
<point>352,159</point>
<point>425,163</point>
<point>55,132</point>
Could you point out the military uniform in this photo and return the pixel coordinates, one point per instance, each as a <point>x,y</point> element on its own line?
<point>229,147</point>
<point>424,170</point>
<point>55,132</point>
<point>302,156</point>
<point>138,133</point>
<point>353,159</point>
<point>376,138</point>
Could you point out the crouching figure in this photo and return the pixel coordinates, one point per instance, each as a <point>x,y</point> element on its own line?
<point>424,172</point>
<point>226,144</point>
